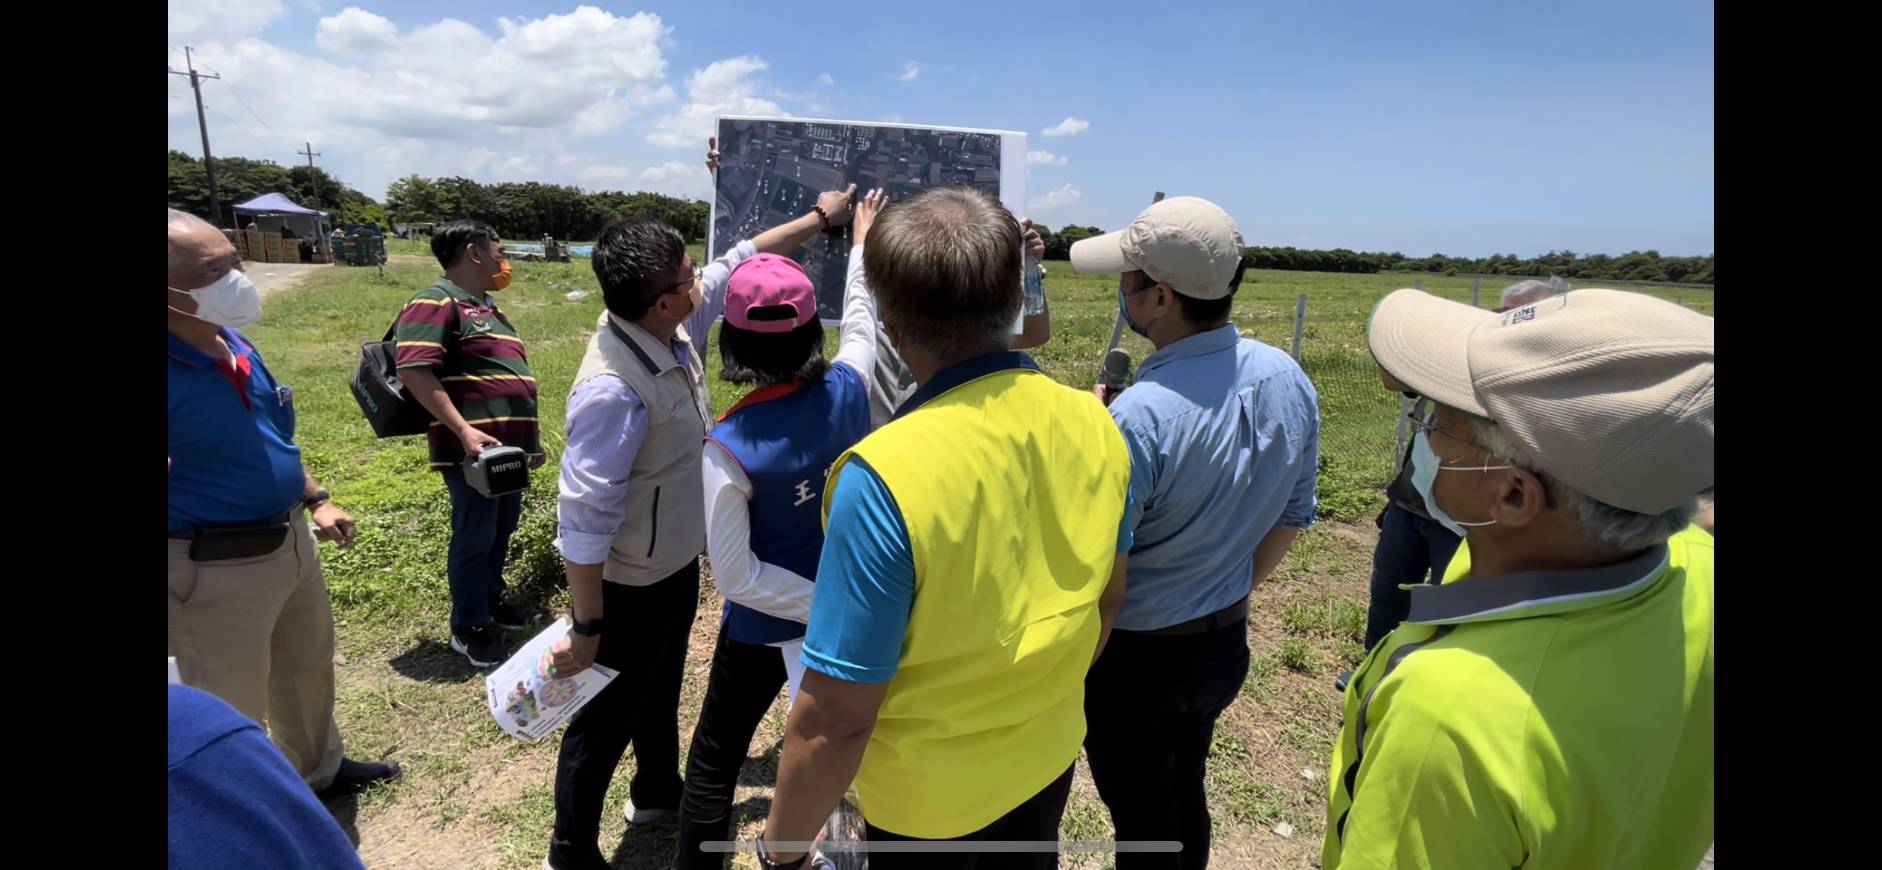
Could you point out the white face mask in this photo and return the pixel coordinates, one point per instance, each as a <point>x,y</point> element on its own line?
<point>231,301</point>
<point>1425,468</point>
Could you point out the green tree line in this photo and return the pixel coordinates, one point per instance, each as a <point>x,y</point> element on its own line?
<point>1632,266</point>
<point>519,211</point>
<point>239,179</point>
<point>528,210</point>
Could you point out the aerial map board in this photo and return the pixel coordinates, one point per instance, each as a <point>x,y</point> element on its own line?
<point>771,170</point>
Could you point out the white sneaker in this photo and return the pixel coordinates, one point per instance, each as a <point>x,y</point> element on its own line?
<point>644,817</point>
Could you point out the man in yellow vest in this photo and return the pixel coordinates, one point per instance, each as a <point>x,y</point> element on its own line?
<point>973,563</point>
<point>1550,704</point>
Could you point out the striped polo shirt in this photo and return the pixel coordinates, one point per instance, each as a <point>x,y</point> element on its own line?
<point>480,361</point>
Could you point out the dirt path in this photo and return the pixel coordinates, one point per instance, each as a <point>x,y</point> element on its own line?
<point>272,278</point>
<point>474,798</point>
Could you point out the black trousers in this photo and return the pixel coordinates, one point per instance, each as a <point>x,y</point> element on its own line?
<point>1151,703</point>
<point>745,680</point>
<point>645,640</point>
<point>1036,819</point>
<point>1411,549</point>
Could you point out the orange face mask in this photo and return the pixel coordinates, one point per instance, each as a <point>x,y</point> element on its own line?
<point>501,280</point>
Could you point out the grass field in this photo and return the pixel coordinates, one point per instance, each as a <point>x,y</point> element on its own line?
<point>473,797</point>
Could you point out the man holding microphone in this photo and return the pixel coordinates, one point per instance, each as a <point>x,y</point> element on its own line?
<point>1223,434</point>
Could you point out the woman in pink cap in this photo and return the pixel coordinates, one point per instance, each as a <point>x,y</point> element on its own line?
<point>763,468</point>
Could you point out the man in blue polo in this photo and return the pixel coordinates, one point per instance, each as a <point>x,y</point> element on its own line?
<point>1223,434</point>
<point>249,620</point>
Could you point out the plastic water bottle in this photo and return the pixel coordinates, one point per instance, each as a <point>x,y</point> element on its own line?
<point>1034,279</point>
<point>840,834</point>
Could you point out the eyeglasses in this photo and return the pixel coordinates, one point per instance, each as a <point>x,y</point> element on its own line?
<point>1423,419</point>
<point>1148,283</point>
<point>684,286</point>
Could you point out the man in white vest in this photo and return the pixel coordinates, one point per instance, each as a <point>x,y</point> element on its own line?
<point>630,520</point>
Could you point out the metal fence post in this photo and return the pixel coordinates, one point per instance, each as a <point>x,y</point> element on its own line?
<point>1476,291</point>
<point>1418,283</point>
<point>1300,319</point>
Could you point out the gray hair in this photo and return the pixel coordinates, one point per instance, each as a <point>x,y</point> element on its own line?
<point>1551,287</point>
<point>1619,528</point>
<point>182,220</point>
<point>944,265</point>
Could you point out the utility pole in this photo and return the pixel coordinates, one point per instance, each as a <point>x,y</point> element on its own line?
<point>312,179</point>
<point>209,166</point>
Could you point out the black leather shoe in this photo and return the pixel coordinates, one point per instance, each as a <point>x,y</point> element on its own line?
<point>355,776</point>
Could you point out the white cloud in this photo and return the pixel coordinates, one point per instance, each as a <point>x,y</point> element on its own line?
<point>724,87</point>
<point>1063,195</point>
<point>355,32</point>
<point>194,21</point>
<point>408,104</point>
<point>1068,127</point>
<point>826,80</point>
<point>670,170</point>
<point>614,175</point>
<point>1044,158</point>
<point>678,178</point>
<point>909,72</point>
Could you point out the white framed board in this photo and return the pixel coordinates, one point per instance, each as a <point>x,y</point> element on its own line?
<point>771,170</point>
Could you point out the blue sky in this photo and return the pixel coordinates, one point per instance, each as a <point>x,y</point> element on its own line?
<point>1468,128</point>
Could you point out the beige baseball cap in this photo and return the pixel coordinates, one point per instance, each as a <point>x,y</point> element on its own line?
<point>1610,392</point>
<point>1186,242</point>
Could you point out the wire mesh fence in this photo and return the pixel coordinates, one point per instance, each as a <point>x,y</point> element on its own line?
<point>1321,320</point>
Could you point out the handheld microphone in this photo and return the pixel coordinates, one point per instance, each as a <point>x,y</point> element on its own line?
<point>1117,369</point>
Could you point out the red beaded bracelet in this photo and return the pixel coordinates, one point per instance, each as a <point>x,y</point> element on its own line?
<point>821,216</point>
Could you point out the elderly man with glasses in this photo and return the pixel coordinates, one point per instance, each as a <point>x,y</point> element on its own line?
<point>1414,548</point>
<point>1551,703</point>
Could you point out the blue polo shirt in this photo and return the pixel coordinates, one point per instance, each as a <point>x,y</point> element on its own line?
<point>234,800</point>
<point>232,452</point>
<point>1224,439</point>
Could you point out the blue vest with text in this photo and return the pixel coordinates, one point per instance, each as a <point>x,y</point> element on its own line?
<point>785,439</point>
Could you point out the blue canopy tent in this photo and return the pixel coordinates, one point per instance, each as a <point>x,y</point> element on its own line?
<point>271,211</point>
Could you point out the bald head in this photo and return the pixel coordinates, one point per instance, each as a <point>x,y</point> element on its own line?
<point>199,253</point>
<point>1527,292</point>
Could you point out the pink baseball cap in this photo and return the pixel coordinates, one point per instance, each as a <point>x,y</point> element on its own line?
<point>768,281</point>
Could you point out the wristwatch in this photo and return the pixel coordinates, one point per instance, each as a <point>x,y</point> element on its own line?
<point>313,501</point>
<point>765,861</point>
<point>587,629</point>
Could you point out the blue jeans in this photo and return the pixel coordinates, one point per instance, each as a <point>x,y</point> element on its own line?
<point>480,540</point>
<point>1409,547</point>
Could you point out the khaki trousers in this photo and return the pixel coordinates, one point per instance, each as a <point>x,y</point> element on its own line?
<point>258,633</point>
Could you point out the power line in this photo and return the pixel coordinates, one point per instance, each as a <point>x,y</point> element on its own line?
<point>246,107</point>
<point>238,98</point>
<point>237,125</point>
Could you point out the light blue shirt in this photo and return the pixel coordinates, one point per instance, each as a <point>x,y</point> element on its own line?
<point>1224,440</point>
<point>866,574</point>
